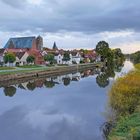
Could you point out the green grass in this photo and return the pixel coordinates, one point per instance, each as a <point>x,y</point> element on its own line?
<point>30,66</point>
<point>127,128</point>
<point>7,68</point>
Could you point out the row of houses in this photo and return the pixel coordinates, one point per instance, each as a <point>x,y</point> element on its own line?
<point>23,47</point>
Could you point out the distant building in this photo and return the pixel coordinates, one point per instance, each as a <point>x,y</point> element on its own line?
<point>25,43</point>
<point>55,46</point>
<point>31,45</point>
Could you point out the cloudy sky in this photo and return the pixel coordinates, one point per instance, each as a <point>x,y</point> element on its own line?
<point>73,23</point>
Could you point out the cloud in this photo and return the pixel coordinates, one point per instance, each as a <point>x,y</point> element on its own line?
<point>15,3</point>
<point>86,16</point>
<point>127,40</point>
<point>72,24</point>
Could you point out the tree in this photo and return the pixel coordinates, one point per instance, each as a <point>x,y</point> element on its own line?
<point>118,55</point>
<point>30,59</point>
<point>66,56</point>
<point>9,58</point>
<point>49,58</point>
<point>102,48</point>
<point>135,57</point>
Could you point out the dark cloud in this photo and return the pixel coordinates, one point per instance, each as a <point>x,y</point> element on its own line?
<point>60,18</point>
<point>84,16</point>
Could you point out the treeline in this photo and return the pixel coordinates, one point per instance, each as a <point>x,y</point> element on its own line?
<point>135,57</point>
<point>108,55</point>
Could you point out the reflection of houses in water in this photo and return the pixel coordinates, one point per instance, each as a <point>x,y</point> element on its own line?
<point>23,86</point>
<point>58,79</point>
<point>71,77</point>
<point>47,82</point>
<point>76,76</point>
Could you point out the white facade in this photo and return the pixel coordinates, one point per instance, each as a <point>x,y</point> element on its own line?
<point>22,61</point>
<point>59,59</point>
<point>76,58</point>
<point>1,58</point>
<point>73,58</point>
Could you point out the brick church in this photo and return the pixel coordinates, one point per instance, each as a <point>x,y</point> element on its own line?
<point>32,45</point>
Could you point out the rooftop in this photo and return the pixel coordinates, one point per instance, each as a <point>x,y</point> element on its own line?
<point>20,42</point>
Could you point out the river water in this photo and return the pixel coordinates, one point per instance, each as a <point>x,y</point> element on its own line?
<point>67,107</point>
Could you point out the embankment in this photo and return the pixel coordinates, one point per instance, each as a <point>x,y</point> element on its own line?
<point>124,99</point>
<point>48,72</point>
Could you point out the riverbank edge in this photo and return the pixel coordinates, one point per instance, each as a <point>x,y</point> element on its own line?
<point>48,72</point>
<point>127,126</point>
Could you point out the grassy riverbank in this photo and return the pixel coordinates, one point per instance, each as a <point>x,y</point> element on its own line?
<point>21,73</point>
<point>35,68</point>
<point>125,101</point>
<point>7,68</point>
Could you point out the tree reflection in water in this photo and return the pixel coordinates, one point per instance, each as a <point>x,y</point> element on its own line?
<point>31,86</point>
<point>66,81</point>
<point>10,91</point>
<point>49,84</point>
<point>108,72</point>
<point>102,79</point>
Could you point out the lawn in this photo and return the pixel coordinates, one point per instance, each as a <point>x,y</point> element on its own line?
<point>7,68</point>
<point>30,66</point>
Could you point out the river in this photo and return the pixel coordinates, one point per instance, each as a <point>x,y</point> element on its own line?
<point>67,107</point>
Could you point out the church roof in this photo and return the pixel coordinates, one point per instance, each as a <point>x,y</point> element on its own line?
<point>21,42</point>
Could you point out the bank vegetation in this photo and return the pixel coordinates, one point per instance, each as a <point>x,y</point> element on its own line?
<point>124,99</point>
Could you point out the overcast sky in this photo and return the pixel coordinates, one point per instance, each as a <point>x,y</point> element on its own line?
<point>73,23</point>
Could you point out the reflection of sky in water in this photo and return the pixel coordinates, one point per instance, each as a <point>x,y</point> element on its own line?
<point>72,112</point>
<point>128,66</point>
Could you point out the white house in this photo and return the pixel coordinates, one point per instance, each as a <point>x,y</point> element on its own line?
<point>76,57</point>
<point>59,58</point>
<point>69,62</point>
<point>21,58</point>
<point>44,53</point>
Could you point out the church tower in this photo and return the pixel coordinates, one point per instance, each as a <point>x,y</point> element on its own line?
<point>39,43</point>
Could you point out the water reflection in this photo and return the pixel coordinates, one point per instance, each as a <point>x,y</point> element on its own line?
<point>9,91</point>
<point>63,107</point>
<point>102,75</point>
